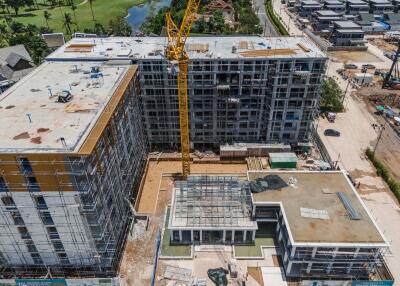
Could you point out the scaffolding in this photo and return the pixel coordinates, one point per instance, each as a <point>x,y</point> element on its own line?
<point>212,201</point>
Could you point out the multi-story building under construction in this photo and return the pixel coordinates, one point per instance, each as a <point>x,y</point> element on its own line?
<point>72,151</point>
<point>241,89</point>
<point>74,134</point>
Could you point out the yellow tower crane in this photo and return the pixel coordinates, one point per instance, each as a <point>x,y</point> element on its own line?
<point>175,52</point>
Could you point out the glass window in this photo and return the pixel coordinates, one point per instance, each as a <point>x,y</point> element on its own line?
<point>46,218</point>
<point>8,201</point>
<point>58,246</point>
<point>36,258</point>
<point>53,233</point>
<point>25,165</point>
<point>3,185</point>
<point>33,185</point>
<point>40,202</point>
<point>16,216</point>
<point>23,231</point>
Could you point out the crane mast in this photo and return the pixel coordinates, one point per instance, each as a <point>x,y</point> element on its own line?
<point>175,52</point>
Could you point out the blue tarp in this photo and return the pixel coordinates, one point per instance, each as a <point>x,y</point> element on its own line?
<point>385,25</point>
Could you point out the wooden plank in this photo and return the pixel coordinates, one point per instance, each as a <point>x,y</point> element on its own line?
<point>303,47</point>
<point>268,52</point>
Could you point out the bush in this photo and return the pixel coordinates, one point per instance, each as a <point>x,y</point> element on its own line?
<point>383,172</point>
<point>275,21</point>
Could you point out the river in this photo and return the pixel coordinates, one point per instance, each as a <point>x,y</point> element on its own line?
<point>137,14</point>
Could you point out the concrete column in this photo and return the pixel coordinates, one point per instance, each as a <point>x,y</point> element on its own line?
<point>335,251</point>
<point>309,266</point>
<point>280,236</point>
<point>292,253</point>
<point>171,234</point>
<point>314,252</point>
<point>356,252</point>
<point>233,236</point>
<point>244,235</point>
<point>191,235</point>
<point>180,236</point>
<point>253,238</point>
<point>289,268</point>
<point>224,235</point>
<point>285,257</point>
<point>350,267</point>
<point>201,236</point>
<point>278,226</point>
<point>329,269</point>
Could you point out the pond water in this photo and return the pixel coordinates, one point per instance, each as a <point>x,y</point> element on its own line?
<point>138,14</point>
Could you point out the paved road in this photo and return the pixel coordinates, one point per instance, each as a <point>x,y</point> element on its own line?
<point>349,148</point>
<point>268,27</point>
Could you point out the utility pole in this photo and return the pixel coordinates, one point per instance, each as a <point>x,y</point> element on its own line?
<point>382,127</point>
<point>345,92</point>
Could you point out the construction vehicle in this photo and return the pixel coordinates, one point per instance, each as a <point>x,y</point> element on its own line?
<point>176,54</point>
<point>391,79</point>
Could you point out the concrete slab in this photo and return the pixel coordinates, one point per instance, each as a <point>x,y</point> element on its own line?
<point>273,276</point>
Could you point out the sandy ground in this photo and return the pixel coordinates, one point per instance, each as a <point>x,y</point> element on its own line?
<point>383,45</point>
<point>353,57</point>
<point>357,134</point>
<point>155,171</point>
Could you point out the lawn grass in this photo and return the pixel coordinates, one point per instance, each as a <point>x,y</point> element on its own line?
<point>173,250</point>
<point>253,250</point>
<point>104,11</point>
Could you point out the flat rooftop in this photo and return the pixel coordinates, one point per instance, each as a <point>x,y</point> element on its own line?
<point>318,191</point>
<point>33,121</point>
<point>346,25</point>
<point>137,48</point>
<point>327,13</point>
<point>357,2</point>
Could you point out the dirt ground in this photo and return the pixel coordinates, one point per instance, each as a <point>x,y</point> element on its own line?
<point>155,170</point>
<point>354,57</point>
<point>137,261</point>
<point>383,45</point>
<point>388,148</point>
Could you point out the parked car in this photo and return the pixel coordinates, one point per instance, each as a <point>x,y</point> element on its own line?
<point>350,66</point>
<point>368,66</point>
<point>331,132</point>
<point>389,55</point>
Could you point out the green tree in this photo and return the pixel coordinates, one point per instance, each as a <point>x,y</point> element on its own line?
<point>17,28</point>
<point>35,45</point>
<point>331,96</point>
<point>4,34</point>
<point>119,28</point>
<point>217,22</point>
<point>29,3</point>
<point>15,4</point>
<point>67,22</point>
<point>73,8</point>
<point>47,17</point>
<point>31,29</point>
<point>3,6</point>
<point>91,9</point>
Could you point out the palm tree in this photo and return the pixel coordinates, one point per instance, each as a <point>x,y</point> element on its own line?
<point>73,8</point>
<point>91,9</point>
<point>60,3</point>
<point>67,22</point>
<point>47,16</point>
